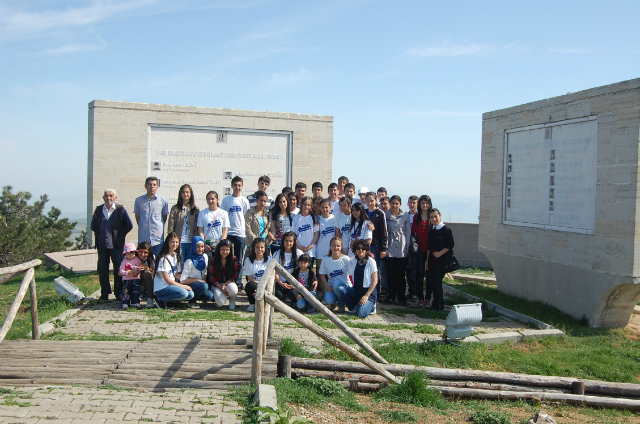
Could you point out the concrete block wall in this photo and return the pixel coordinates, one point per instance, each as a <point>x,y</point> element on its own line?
<point>594,275</point>
<point>118,144</point>
<point>465,236</point>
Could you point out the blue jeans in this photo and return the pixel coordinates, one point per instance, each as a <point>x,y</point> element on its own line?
<point>363,311</point>
<point>301,303</point>
<point>239,246</point>
<point>342,293</point>
<point>156,249</point>
<point>352,300</point>
<point>171,293</point>
<point>201,292</point>
<point>185,250</point>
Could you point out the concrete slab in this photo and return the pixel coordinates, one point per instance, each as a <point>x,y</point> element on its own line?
<point>78,261</point>
<point>497,338</point>
<point>266,397</point>
<point>541,333</point>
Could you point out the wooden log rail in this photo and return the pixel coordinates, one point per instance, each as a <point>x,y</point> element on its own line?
<point>263,325</point>
<point>28,281</point>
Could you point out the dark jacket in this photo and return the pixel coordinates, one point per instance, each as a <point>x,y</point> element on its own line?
<point>122,224</point>
<point>312,277</point>
<point>379,221</point>
<point>438,240</point>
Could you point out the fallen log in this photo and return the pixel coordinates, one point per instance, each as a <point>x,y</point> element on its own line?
<point>591,386</point>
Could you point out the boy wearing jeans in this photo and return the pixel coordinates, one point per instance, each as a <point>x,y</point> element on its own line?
<point>236,206</point>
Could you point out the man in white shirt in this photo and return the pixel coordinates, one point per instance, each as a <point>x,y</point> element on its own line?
<point>236,206</point>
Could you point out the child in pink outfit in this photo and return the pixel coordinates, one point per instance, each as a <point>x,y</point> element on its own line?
<point>130,271</point>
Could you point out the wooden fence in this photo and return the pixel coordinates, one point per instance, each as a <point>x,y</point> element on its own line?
<point>29,281</point>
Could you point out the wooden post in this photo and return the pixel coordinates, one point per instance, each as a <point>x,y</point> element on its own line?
<point>328,337</point>
<point>353,384</point>
<point>259,332</point>
<point>35,328</point>
<point>272,314</point>
<point>284,366</point>
<point>13,310</point>
<point>578,387</point>
<point>332,317</point>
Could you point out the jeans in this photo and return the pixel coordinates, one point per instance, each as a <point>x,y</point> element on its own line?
<point>396,268</point>
<point>238,252</point>
<point>344,293</point>
<point>171,293</point>
<point>201,292</point>
<point>131,292</point>
<point>301,303</point>
<point>363,311</point>
<point>156,250</point>
<point>104,257</point>
<point>185,250</point>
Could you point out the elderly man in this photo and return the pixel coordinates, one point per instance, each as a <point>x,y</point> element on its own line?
<point>110,225</point>
<point>151,213</point>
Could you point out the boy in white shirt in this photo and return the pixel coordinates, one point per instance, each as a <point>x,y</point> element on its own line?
<point>236,206</point>
<point>333,198</point>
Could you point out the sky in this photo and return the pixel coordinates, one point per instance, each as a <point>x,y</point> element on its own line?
<point>406,81</point>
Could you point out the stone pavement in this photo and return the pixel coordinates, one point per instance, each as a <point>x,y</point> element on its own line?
<point>89,405</point>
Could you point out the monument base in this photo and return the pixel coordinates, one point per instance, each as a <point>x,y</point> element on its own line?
<point>609,298</point>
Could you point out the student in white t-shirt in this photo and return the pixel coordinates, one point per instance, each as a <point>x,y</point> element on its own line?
<point>293,203</point>
<point>166,285</point>
<point>253,269</point>
<point>343,223</point>
<point>306,227</point>
<point>334,275</point>
<point>327,226</point>
<point>287,256</point>
<point>333,198</point>
<point>213,223</point>
<point>359,229</point>
<point>236,206</point>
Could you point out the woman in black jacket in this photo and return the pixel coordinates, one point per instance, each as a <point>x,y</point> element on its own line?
<point>440,242</point>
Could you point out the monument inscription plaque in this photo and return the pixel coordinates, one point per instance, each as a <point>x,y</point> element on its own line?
<point>550,175</point>
<point>208,158</point>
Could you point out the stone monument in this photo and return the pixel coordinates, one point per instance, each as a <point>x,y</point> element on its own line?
<point>559,216</point>
<point>203,147</point>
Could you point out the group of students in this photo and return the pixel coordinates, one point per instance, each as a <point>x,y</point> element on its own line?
<point>362,246</point>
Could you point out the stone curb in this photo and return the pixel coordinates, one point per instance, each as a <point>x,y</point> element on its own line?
<point>266,396</point>
<point>499,309</point>
<point>48,327</point>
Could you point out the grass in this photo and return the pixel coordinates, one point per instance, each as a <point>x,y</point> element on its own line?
<point>243,396</point>
<point>50,304</point>
<point>314,391</point>
<point>96,337</point>
<point>490,417</point>
<point>156,316</point>
<point>413,390</point>
<point>398,416</point>
<point>292,348</point>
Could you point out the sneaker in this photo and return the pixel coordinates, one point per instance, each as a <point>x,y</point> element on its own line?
<point>421,303</point>
<point>375,309</point>
<point>240,285</point>
<point>232,305</point>
<point>160,304</point>
<point>150,303</point>
<point>352,311</point>
<point>137,306</point>
<point>414,298</point>
<point>342,308</point>
<point>104,297</point>
<point>124,307</point>
<point>333,306</point>
<point>427,303</point>
<point>193,305</point>
<point>251,308</point>
<point>311,310</point>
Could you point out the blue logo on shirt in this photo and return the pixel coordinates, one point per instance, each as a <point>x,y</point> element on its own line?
<point>306,227</point>
<point>258,274</point>
<point>334,274</point>
<point>345,228</point>
<point>233,209</point>
<point>328,231</point>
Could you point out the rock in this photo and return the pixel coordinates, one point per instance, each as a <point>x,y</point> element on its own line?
<point>541,417</point>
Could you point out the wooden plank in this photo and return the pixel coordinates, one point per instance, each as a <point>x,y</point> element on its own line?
<point>50,381</point>
<point>19,268</point>
<point>35,328</point>
<point>13,310</point>
<point>477,278</point>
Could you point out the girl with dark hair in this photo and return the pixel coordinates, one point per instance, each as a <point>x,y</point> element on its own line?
<point>166,286</point>
<point>281,220</point>
<point>359,228</point>
<point>256,220</point>
<point>183,218</point>
<point>222,275</point>
<point>334,275</point>
<point>287,256</point>
<point>440,243</point>
<point>420,230</point>
<point>327,230</point>
<point>305,225</point>
<point>253,269</point>
<point>343,223</point>
<point>378,244</point>
<point>145,253</point>
<point>193,273</point>
<point>362,298</point>
<point>399,235</point>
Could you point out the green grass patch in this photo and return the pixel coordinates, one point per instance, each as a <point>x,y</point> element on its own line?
<point>50,304</point>
<point>413,390</point>
<point>292,348</point>
<point>96,337</point>
<point>156,316</point>
<point>490,417</point>
<point>314,391</point>
<point>398,416</point>
<point>243,396</point>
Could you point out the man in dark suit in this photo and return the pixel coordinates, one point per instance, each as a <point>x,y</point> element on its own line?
<point>110,225</point>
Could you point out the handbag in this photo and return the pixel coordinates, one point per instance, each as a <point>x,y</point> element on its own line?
<point>450,264</point>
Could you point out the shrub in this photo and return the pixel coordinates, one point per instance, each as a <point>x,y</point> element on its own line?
<point>413,390</point>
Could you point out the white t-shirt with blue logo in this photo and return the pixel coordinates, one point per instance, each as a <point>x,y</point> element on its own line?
<point>342,223</point>
<point>255,268</point>
<point>359,232</point>
<point>287,264</point>
<point>335,207</point>
<point>327,232</point>
<point>212,223</point>
<point>236,207</point>
<point>305,229</point>
<point>171,266</point>
<point>336,269</point>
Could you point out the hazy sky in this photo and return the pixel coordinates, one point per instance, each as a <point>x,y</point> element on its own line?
<point>406,82</point>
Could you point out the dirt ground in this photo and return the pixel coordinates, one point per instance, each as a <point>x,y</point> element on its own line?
<point>634,324</point>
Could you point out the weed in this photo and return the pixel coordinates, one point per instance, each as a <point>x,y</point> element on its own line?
<point>312,391</point>
<point>243,396</point>
<point>279,416</point>
<point>413,390</point>
<point>426,329</point>
<point>490,417</point>
<point>292,348</point>
<point>398,416</point>
<point>58,323</point>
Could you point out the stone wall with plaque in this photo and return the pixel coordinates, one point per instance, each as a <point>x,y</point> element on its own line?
<point>204,147</point>
<point>558,204</point>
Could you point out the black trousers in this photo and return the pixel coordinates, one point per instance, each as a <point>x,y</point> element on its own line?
<point>412,272</point>
<point>436,269</point>
<point>396,268</point>
<point>104,257</point>
<point>421,276</point>
<point>281,293</point>
<point>250,289</point>
<point>146,281</point>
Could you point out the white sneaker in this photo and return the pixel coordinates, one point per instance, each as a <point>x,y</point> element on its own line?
<point>232,305</point>
<point>251,308</point>
<point>375,309</point>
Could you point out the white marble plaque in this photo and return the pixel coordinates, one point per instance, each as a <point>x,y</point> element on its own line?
<point>208,158</point>
<point>550,176</point>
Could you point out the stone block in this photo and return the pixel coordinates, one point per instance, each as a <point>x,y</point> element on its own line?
<point>266,397</point>
<point>497,338</point>
<point>536,334</point>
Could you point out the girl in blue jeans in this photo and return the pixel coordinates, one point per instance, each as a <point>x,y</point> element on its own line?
<point>166,286</point>
<point>361,299</point>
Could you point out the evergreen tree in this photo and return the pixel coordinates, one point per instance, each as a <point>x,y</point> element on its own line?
<point>26,233</point>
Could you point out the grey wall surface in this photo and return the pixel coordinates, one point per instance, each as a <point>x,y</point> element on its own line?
<point>466,249</point>
<point>593,275</point>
